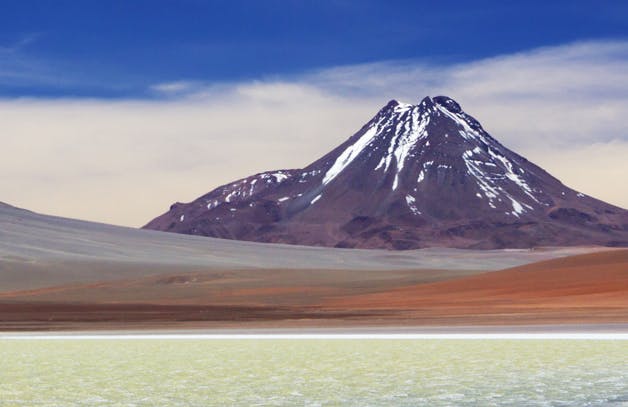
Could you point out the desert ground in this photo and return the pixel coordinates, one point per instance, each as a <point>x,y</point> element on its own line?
<point>63,274</point>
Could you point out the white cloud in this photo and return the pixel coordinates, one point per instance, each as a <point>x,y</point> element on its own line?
<point>576,93</point>
<point>126,161</point>
<point>175,88</point>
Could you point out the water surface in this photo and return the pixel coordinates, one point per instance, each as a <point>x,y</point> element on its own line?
<point>312,372</point>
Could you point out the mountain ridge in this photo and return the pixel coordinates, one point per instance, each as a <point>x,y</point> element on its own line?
<point>413,176</point>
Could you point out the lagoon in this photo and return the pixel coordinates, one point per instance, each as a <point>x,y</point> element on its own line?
<point>312,371</point>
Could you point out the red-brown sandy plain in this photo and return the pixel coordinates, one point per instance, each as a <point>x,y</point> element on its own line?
<point>582,289</point>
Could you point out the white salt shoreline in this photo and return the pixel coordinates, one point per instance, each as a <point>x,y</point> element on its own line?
<point>525,332</point>
<point>475,336</point>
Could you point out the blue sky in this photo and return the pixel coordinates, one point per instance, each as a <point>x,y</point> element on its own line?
<point>119,49</point>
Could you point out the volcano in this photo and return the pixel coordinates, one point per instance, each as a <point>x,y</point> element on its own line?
<point>414,176</point>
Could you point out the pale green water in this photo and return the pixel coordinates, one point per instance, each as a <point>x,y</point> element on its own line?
<point>313,372</point>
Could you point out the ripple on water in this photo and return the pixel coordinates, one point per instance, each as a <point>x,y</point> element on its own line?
<point>313,372</point>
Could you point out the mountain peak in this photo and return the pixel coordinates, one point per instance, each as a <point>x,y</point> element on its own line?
<point>426,102</point>
<point>413,176</point>
<point>448,103</point>
<point>430,106</point>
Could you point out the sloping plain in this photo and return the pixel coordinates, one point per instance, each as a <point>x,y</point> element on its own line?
<point>58,273</point>
<point>39,251</point>
<point>583,288</point>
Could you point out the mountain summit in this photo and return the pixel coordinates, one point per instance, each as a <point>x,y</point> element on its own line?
<point>414,176</point>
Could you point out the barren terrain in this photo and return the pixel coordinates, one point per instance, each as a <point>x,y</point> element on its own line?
<point>58,274</point>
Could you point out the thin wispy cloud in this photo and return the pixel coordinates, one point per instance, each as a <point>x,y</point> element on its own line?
<point>563,107</point>
<point>19,68</point>
<point>177,88</point>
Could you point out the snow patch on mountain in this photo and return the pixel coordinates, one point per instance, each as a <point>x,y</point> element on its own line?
<point>313,201</point>
<point>414,130</point>
<point>350,154</point>
<point>411,201</point>
<point>245,188</point>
